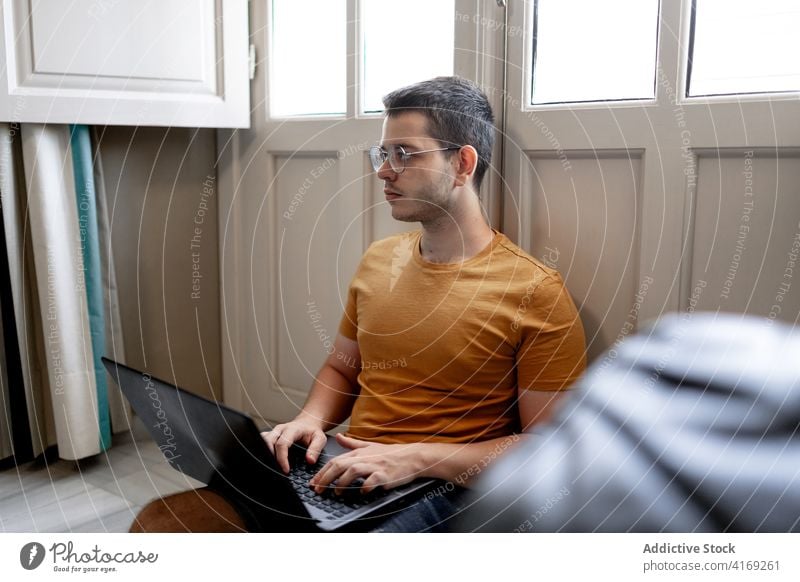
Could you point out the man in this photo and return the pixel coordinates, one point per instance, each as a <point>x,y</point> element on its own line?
<point>453,338</point>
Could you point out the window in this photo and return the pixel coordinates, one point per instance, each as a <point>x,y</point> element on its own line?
<point>585,50</point>
<point>739,46</point>
<point>402,43</point>
<point>308,73</point>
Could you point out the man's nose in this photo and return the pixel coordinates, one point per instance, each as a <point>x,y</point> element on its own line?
<point>386,173</point>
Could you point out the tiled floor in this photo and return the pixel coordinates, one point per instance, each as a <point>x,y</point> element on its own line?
<point>101,494</point>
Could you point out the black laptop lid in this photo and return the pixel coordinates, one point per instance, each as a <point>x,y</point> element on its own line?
<point>215,445</point>
<point>197,436</point>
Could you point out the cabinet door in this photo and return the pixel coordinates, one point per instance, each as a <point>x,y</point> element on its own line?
<point>125,62</point>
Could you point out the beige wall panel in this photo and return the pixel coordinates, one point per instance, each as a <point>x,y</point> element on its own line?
<point>584,224</point>
<point>308,236</point>
<point>746,236</point>
<point>161,185</point>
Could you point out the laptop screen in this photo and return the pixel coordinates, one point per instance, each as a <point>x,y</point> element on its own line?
<point>197,436</point>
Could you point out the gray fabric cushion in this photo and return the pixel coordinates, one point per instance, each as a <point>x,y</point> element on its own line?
<point>691,425</point>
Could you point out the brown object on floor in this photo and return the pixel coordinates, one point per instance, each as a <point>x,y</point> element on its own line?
<point>199,510</point>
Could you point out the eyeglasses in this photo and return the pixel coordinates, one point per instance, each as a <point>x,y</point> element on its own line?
<point>398,156</point>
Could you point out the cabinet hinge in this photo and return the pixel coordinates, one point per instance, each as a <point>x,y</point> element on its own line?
<point>252,61</point>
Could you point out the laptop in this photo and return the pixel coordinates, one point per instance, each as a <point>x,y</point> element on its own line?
<point>223,448</point>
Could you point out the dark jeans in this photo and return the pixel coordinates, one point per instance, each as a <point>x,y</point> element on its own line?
<point>433,513</point>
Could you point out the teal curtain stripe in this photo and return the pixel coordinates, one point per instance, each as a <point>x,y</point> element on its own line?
<point>81,146</point>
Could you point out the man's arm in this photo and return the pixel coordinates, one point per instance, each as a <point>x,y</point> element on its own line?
<point>335,388</point>
<point>328,404</point>
<point>390,466</point>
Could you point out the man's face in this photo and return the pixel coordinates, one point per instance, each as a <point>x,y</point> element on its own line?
<point>423,191</point>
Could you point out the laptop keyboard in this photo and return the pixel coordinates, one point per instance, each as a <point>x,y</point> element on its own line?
<point>335,505</point>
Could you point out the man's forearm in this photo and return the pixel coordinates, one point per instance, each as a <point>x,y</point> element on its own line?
<point>330,400</point>
<point>460,463</point>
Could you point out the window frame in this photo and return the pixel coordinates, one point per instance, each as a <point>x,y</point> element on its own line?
<point>530,39</point>
<point>687,44</point>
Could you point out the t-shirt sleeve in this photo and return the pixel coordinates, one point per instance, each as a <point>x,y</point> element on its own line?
<point>348,326</point>
<point>552,347</point>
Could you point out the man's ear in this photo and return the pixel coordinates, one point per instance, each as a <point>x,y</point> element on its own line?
<point>466,161</point>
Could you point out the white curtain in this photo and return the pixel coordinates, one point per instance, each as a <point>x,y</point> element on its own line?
<point>47,184</point>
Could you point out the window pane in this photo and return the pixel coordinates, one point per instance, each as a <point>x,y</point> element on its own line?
<point>742,46</point>
<point>404,42</point>
<point>309,51</point>
<point>587,50</point>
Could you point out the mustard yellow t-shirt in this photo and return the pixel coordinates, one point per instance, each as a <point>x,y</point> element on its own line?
<point>444,346</point>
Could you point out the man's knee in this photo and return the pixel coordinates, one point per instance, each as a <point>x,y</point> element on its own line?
<point>199,510</point>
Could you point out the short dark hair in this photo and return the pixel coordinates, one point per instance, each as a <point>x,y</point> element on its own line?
<point>458,113</point>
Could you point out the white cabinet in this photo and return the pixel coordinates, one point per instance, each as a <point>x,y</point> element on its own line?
<point>125,62</point>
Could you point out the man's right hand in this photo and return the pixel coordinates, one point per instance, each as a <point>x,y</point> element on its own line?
<point>300,430</point>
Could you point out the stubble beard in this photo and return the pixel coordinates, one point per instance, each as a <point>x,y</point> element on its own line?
<point>429,206</point>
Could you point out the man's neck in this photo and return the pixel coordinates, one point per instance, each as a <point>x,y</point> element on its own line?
<point>456,237</point>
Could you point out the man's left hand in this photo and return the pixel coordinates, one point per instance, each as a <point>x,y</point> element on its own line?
<point>379,465</point>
